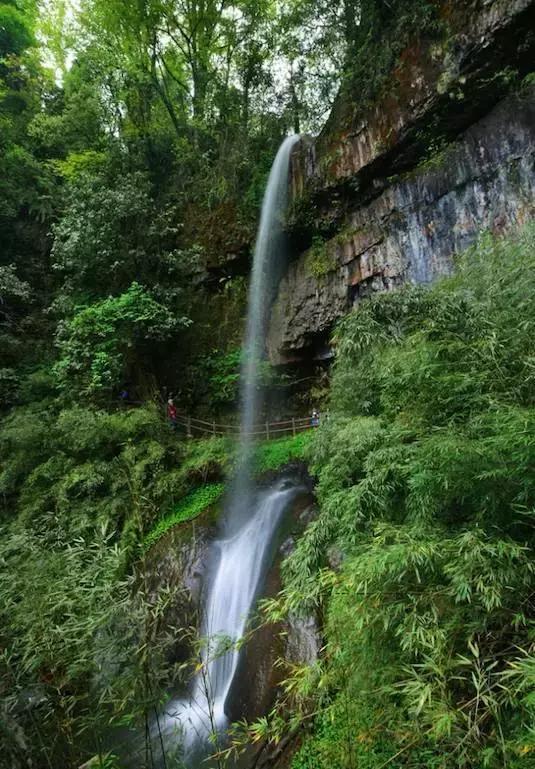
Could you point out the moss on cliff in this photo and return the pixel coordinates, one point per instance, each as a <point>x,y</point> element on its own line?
<point>319,259</point>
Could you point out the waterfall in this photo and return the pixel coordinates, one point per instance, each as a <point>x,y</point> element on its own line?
<point>243,551</point>
<point>269,250</point>
<point>268,256</point>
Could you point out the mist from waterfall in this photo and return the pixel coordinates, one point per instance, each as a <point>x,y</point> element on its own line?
<point>243,551</point>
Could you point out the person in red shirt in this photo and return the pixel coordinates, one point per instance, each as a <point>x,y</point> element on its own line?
<point>171,413</point>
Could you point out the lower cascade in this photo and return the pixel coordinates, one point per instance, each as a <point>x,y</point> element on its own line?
<point>240,562</point>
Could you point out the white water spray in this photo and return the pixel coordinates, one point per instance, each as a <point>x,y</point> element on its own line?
<point>244,551</point>
<point>269,250</point>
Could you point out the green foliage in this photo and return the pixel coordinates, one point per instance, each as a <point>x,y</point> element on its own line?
<point>436,152</point>
<point>319,260</point>
<point>204,459</point>
<point>346,734</point>
<point>110,230</point>
<point>272,455</point>
<point>196,503</point>
<point>86,486</point>
<point>421,560</point>
<point>384,31</point>
<point>128,176</point>
<point>11,287</point>
<point>52,461</point>
<point>15,30</point>
<point>222,376</point>
<point>528,81</point>
<point>209,458</point>
<point>78,164</point>
<point>98,345</point>
<point>217,376</point>
<point>15,301</point>
<point>9,387</point>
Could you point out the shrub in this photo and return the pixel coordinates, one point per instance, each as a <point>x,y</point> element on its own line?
<point>421,559</point>
<point>101,341</point>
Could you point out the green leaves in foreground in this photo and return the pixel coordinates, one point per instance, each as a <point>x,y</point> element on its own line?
<point>421,559</point>
<point>188,508</point>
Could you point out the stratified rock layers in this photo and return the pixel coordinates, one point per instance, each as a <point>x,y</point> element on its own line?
<point>386,228</point>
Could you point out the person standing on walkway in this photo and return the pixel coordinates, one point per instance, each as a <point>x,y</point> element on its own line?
<point>172,413</point>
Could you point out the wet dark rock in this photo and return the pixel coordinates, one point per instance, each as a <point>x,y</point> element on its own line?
<point>412,231</point>
<point>30,699</point>
<point>335,558</point>
<point>397,187</point>
<point>287,547</point>
<point>177,563</point>
<point>455,76</point>
<point>303,640</point>
<point>296,470</point>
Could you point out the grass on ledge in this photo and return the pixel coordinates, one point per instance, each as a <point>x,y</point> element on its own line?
<point>185,510</point>
<point>269,456</point>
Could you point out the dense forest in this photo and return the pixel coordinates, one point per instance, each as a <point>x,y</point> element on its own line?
<point>136,139</point>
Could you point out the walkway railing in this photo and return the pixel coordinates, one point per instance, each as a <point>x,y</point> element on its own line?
<point>267,430</point>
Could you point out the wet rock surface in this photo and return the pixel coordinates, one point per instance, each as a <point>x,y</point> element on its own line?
<point>177,564</point>
<point>411,231</point>
<point>391,190</point>
<point>454,76</point>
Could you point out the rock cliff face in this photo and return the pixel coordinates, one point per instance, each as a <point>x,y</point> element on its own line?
<point>391,192</point>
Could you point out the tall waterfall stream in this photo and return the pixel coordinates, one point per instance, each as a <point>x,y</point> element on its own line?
<point>243,551</point>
